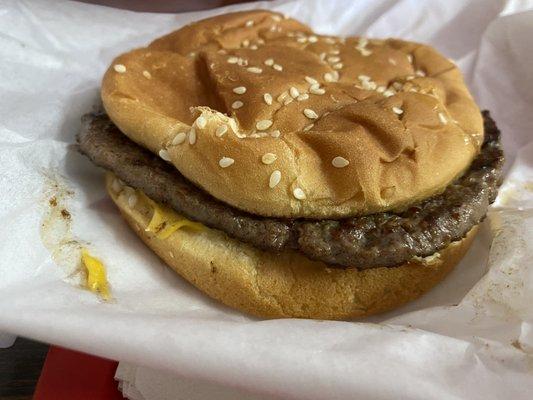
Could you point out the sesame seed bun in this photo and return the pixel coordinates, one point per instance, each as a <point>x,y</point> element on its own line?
<point>277,121</point>
<point>287,284</point>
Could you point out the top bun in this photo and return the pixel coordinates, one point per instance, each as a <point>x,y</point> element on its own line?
<point>273,119</point>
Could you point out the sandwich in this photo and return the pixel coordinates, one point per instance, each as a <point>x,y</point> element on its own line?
<point>290,174</point>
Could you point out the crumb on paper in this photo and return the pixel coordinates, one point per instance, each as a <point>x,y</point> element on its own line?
<point>65,214</point>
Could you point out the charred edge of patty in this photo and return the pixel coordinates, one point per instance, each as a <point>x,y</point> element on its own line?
<point>384,239</point>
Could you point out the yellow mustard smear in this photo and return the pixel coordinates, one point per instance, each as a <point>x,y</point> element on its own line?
<point>165,221</point>
<point>96,275</point>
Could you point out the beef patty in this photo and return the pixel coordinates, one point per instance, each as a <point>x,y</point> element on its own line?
<point>378,240</point>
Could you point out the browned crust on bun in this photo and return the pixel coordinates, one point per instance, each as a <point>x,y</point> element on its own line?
<point>284,285</point>
<point>396,125</point>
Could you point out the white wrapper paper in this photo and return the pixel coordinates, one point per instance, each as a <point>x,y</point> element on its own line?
<point>471,337</point>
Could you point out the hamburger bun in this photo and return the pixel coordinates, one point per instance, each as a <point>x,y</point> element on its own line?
<point>277,121</point>
<point>287,284</point>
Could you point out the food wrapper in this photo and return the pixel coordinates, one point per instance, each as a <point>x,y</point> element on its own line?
<point>471,337</point>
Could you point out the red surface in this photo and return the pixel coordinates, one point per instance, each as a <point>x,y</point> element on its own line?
<point>70,375</point>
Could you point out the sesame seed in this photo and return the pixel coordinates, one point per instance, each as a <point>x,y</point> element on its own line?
<point>335,52</point>
<point>192,136</point>
<point>277,67</point>
<point>132,200</point>
<point>268,158</point>
<point>334,59</point>
<point>288,100</point>
<point>253,47</point>
<point>147,74</point>
<point>302,40</point>
<point>242,62</point>
<point>164,155</point>
<point>179,138</point>
<point>260,41</point>
<point>302,97</point>
<point>329,40</point>
<point>275,178</point>
<point>392,61</point>
<point>310,80</point>
<point>116,185</point>
<point>442,118</point>
<point>282,97</point>
<point>237,104</point>
<point>323,57</point>
<point>254,70</point>
<point>328,77</point>
<point>308,127</point>
<point>226,162</point>
<point>269,62</point>
<point>233,125</point>
<point>380,89</point>
<point>316,90</point>
<point>363,41</point>
<point>312,39</point>
<point>263,124</point>
<point>388,93</point>
<point>275,134</point>
<point>239,90</point>
<point>233,60</point>
<point>245,43</point>
<point>276,18</point>
<point>201,122</point>
<point>268,98</point>
<point>221,130</point>
<point>419,72</point>
<point>364,52</point>
<point>249,23</point>
<point>339,162</point>
<point>298,193</point>
<point>338,66</point>
<point>369,85</point>
<point>294,92</point>
<point>334,76</point>
<point>409,58</point>
<point>363,77</point>
<point>120,68</point>
<point>311,114</point>
<point>397,86</point>
<point>397,110</point>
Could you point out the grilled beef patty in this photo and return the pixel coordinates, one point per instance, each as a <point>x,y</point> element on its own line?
<point>378,240</point>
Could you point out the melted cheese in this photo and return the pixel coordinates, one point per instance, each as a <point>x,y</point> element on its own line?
<point>165,221</point>
<point>96,275</point>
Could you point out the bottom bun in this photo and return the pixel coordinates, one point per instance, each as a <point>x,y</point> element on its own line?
<point>287,284</point>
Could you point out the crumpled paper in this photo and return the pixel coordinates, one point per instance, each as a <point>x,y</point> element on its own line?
<point>471,337</point>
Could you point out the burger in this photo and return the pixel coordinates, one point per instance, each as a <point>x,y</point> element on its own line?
<point>290,174</point>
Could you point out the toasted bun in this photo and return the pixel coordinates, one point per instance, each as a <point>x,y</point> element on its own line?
<point>287,284</point>
<point>395,158</point>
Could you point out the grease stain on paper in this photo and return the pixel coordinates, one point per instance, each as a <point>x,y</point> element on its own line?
<point>56,233</point>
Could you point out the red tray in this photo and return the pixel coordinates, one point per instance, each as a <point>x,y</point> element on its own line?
<point>70,375</point>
